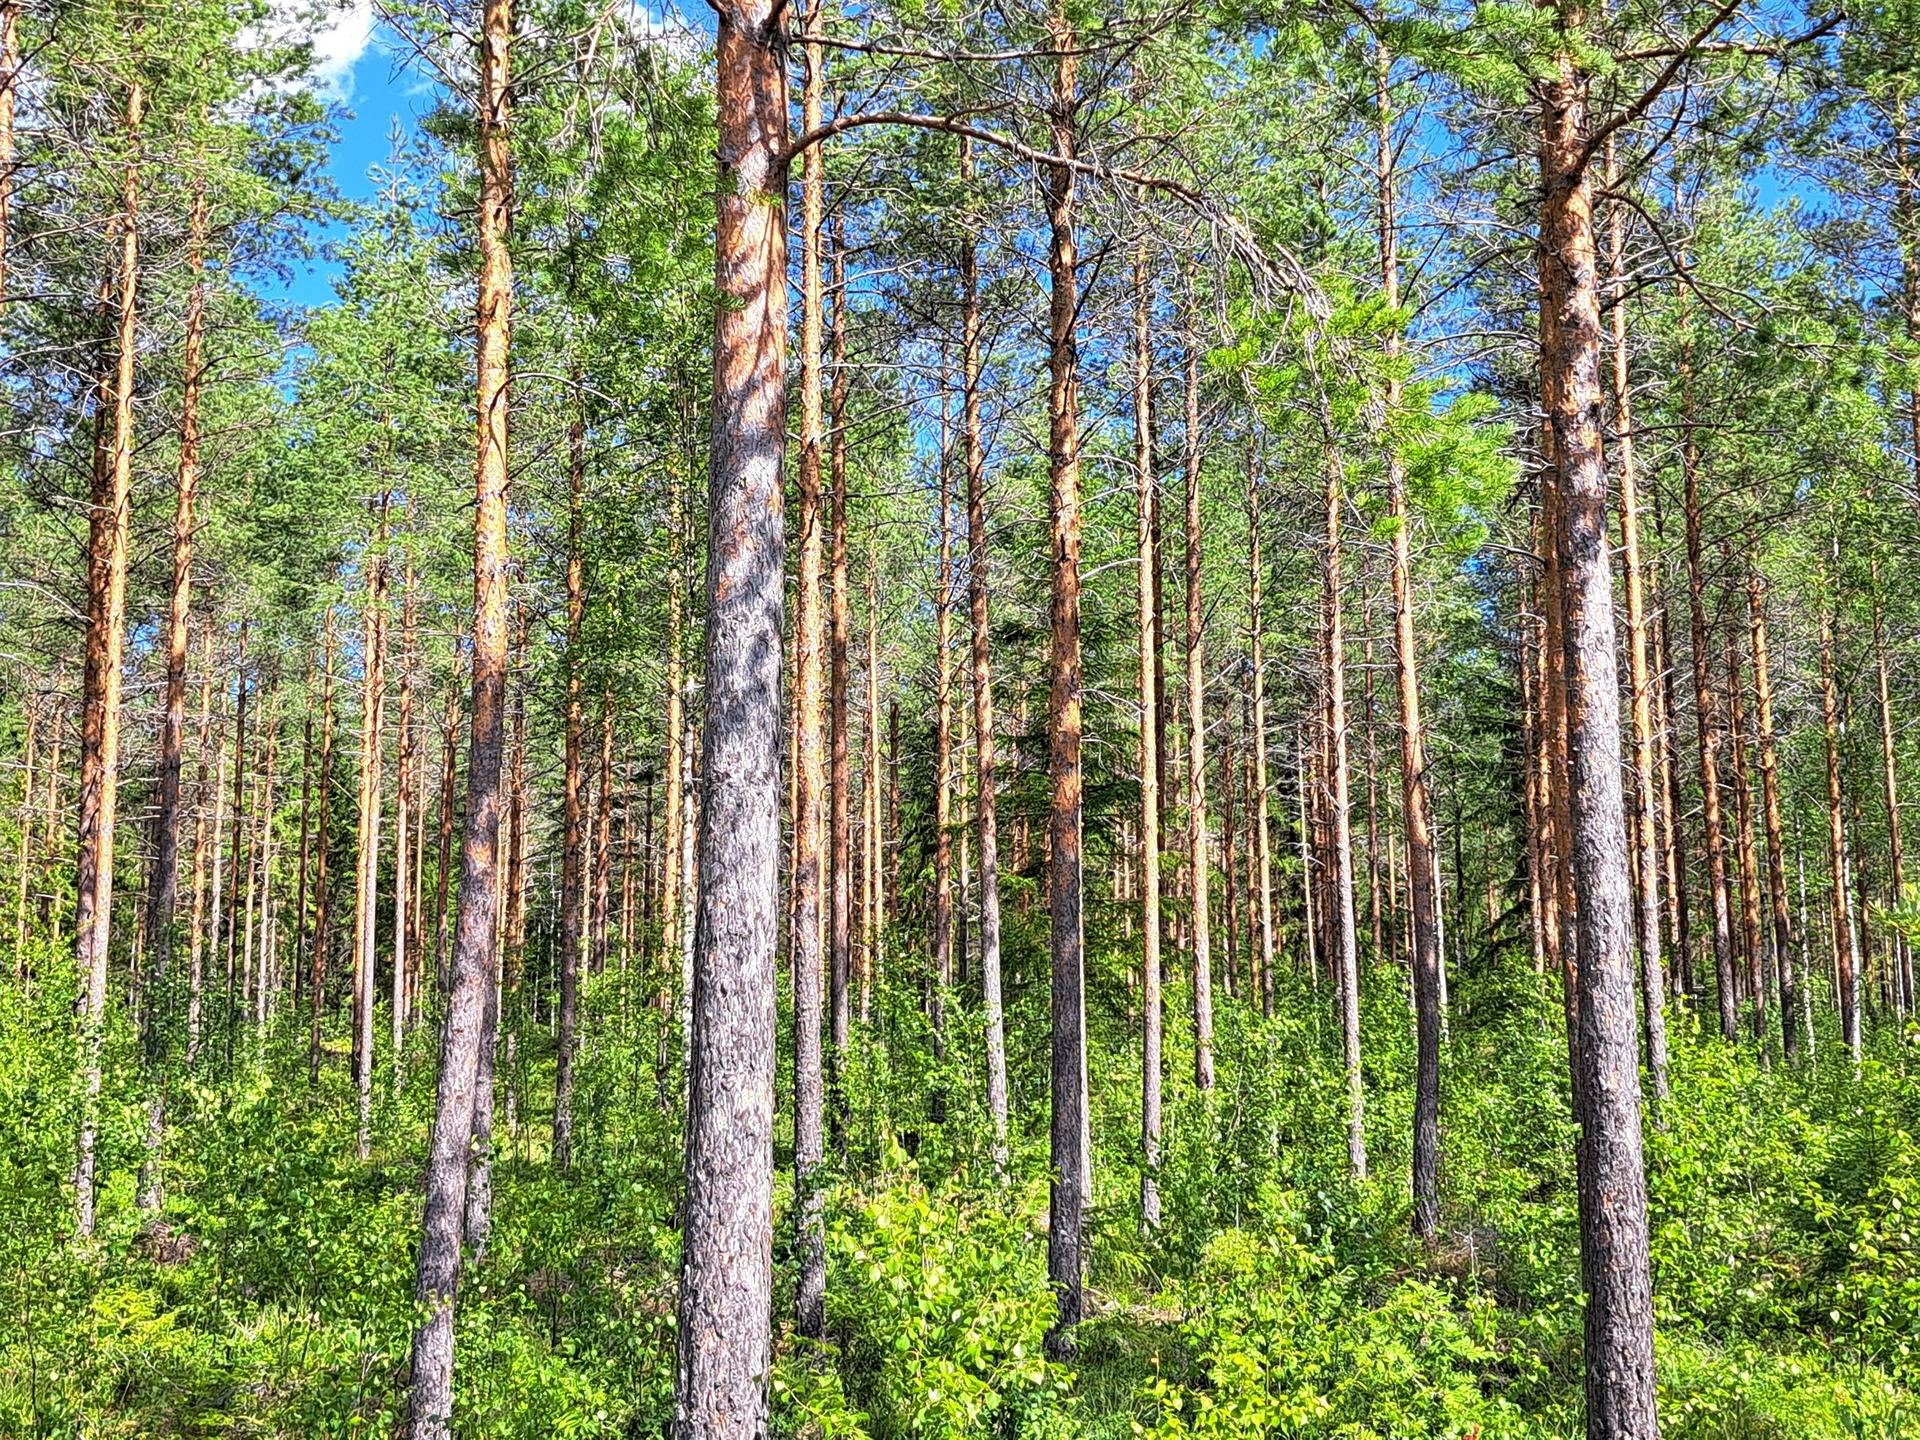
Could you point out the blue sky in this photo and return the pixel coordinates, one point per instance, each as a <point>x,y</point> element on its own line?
<point>359,69</point>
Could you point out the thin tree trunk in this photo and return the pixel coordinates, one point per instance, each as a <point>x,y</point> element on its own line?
<point>1071,1161</point>
<point>1890,785</point>
<point>26,835</point>
<point>10,69</point>
<point>603,839</point>
<point>1613,1206</point>
<point>1256,641</point>
<point>403,818</point>
<point>1199,860</point>
<point>1342,930</point>
<point>726,1268</point>
<point>840,621</point>
<point>573,832</point>
<point>874,924</point>
<point>1752,941</point>
<point>203,828</point>
<point>809,771</point>
<point>367,855</point>
<point>1646,855</point>
<point>942,754</point>
<point>1848,980</point>
<point>109,524</point>
<point>430,1404</point>
<point>986,814</point>
<point>1707,723</point>
<point>1147,628</point>
<point>1782,968</point>
<point>321,944</point>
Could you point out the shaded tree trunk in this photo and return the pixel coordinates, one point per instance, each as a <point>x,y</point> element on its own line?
<point>1782,965</point>
<point>1147,628</point>
<point>1199,859</point>
<point>1847,986</point>
<point>573,833</point>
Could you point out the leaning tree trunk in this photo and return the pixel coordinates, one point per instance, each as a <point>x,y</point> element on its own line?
<point>1067,1205</point>
<point>109,524</point>
<point>726,1267</point>
<point>1613,1199</point>
<point>430,1406</point>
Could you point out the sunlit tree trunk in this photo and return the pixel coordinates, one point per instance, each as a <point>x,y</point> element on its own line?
<point>430,1403</point>
<point>1847,986</point>
<point>367,854</point>
<point>1782,965</point>
<point>726,1267</point>
<point>1890,788</point>
<point>1613,1206</point>
<point>1753,944</point>
<point>1147,629</point>
<point>1069,1139</point>
<point>1646,854</point>
<point>986,815</point>
<point>109,524</point>
<point>10,70</point>
<point>809,771</point>
<point>1199,859</point>
<point>573,821</point>
<point>1257,656</point>
<point>840,622</point>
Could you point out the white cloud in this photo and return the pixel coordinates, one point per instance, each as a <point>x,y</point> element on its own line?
<point>338,44</point>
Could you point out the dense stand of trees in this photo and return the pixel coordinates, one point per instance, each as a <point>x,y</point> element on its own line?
<point>1336,573</point>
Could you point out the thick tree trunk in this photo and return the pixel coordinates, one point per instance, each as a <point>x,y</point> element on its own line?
<point>1613,1203</point>
<point>436,1279</point>
<point>810,1285</point>
<point>1147,628</point>
<point>1071,1160</point>
<point>109,524</point>
<point>1847,987</point>
<point>726,1269</point>
<point>1199,858</point>
<point>987,811</point>
<point>1782,965</point>
<point>574,831</point>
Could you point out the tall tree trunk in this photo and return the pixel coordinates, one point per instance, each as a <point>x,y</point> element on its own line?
<point>574,831</point>
<point>943,748</point>
<point>1199,860</point>
<point>726,1269</point>
<point>1071,1160</point>
<point>1752,942</point>
<point>109,524</point>
<point>403,818</point>
<point>840,619</point>
<point>1646,854</point>
<point>1342,929</point>
<point>25,856</point>
<point>203,828</point>
<point>986,815</point>
<point>1890,787</point>
<point>603,839</point>
<point>1613,1204</point>
<point>10,69</point>
<point>1707,723</point>
<point>367,856</point>
<point>1416,817</point>
<point>430,1405</point>
<point>1848,979</point>
<point>1783,977</point>
<point>1256,644</point>
<point>321,943</point>
<point>1674,854</point>
<point>810,1285</point>
<point>1147,627</point>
